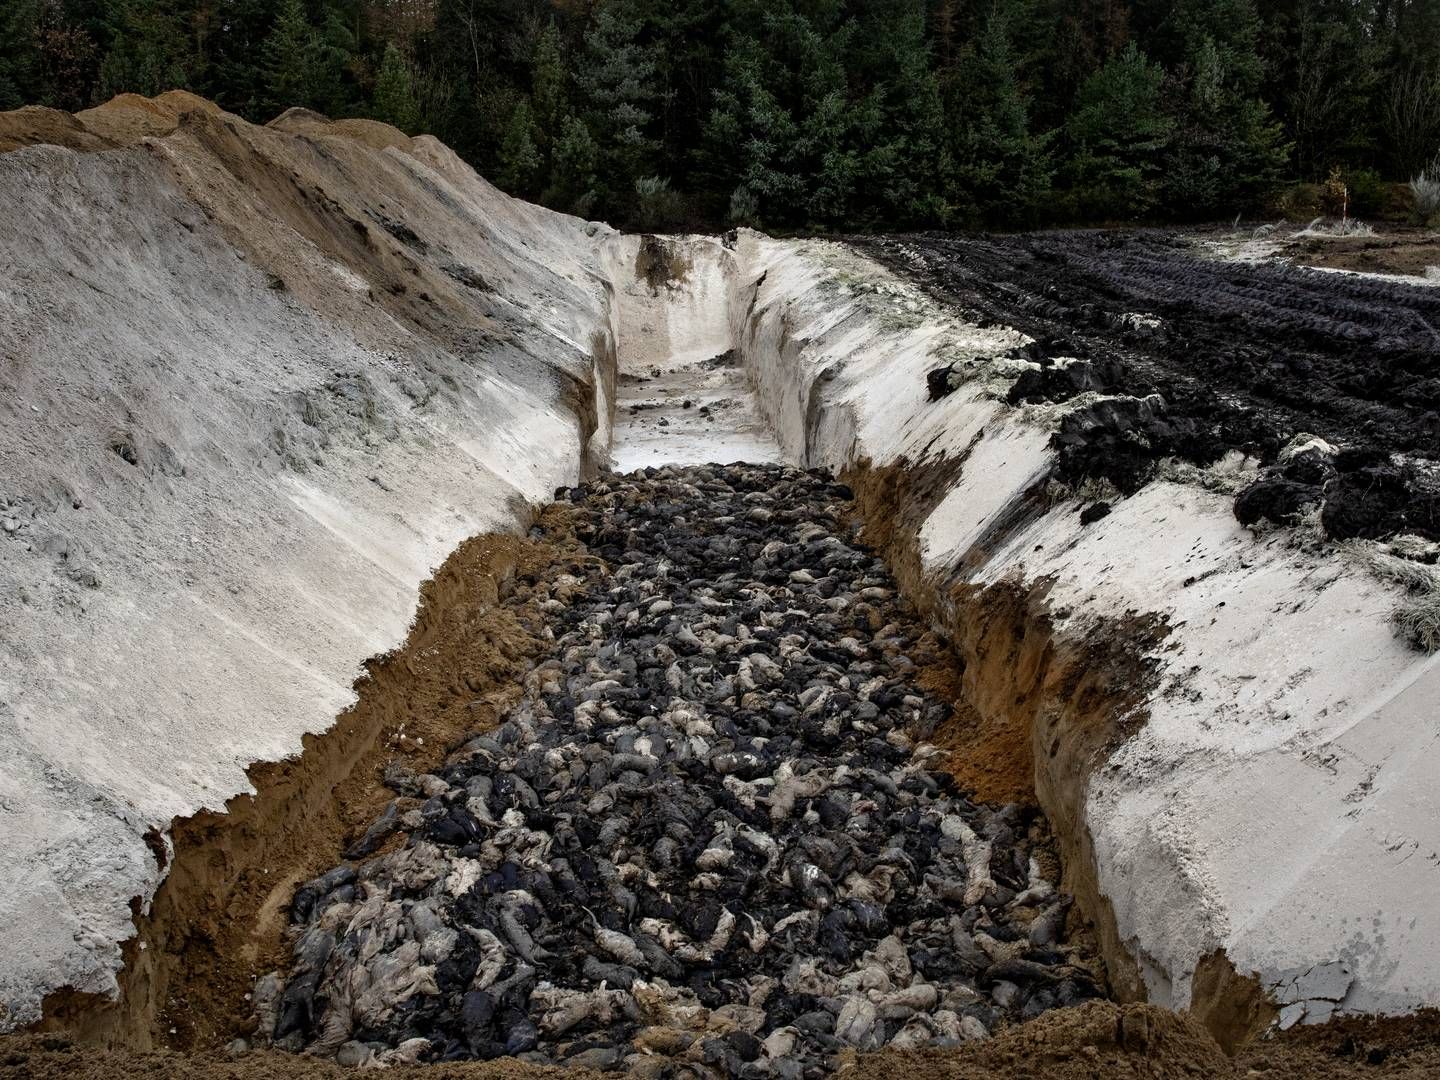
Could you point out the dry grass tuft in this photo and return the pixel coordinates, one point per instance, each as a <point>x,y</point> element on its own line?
<point>1333,229</point>
<point>1417,618</point>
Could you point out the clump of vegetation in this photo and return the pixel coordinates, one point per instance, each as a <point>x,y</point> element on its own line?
<point>1329,229</point>
<point>744,208</point>
<point>1425,193</point>
<point>658,208</point>
<point>1418,620</point>
<point>1368,192</point>
<point>1417,617</point>
<point>1335,195</point>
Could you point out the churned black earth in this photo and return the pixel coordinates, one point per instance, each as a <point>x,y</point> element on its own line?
<point>708,841</point>
<point>1193,358</point>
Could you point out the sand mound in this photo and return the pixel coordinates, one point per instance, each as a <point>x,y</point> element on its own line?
<point>298,121</point>
<point>371,133</point>
<point>128,118</point>
<point>288,375</point>
<point>36,124</point>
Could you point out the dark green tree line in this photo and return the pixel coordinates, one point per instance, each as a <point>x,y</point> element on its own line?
<point>805,114</point>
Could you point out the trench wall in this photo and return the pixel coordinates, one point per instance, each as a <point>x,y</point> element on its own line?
<point>1233,747</point>
<point>255,385</point>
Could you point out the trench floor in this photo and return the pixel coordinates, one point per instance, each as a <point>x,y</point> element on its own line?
<point>689,412</point>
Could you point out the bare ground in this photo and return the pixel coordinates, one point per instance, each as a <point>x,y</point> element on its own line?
<point>1096,1040</point>
<point>1398,250</point>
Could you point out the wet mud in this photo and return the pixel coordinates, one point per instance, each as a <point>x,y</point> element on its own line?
<point>1190,359</point>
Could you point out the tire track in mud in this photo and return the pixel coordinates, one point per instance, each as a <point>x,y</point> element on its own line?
<point>710,839</point>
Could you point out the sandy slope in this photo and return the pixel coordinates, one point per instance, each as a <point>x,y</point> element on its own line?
<point>255,384</point>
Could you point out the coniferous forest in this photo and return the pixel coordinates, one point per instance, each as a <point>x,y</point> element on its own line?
<point>808,114</point>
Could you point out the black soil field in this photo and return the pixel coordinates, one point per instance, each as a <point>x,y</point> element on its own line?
<point>1207,357</point>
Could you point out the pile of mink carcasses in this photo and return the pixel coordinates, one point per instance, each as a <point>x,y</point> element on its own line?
<point>710,839</point>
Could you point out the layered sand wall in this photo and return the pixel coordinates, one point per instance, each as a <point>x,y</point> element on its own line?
<point>258,384</point>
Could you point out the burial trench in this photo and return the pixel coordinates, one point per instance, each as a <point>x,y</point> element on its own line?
<point>830,340</point>
<point>712,837</point>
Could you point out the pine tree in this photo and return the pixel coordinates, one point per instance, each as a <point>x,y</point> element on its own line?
<point>901,155</point>
<point>1233,29</point>
<point>1228,152</point>
<point>288,60</point>
<point>1000,170</point>
<point>798,134</point>
<point>1073,40</point>
<point>1116,137</point>
<point>547,81</point>
<point>618,83</point>
<point>1336,71</point>
<point>688,38</point>
<point>235,74</point>
<point>332,49</point>
<point>576,156</point>
<point>149,51</point>
<point>19,43</point>
<point>520,159</point>
<point>806,113</point>
<point>394,98</point>
<point>752,139</point>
